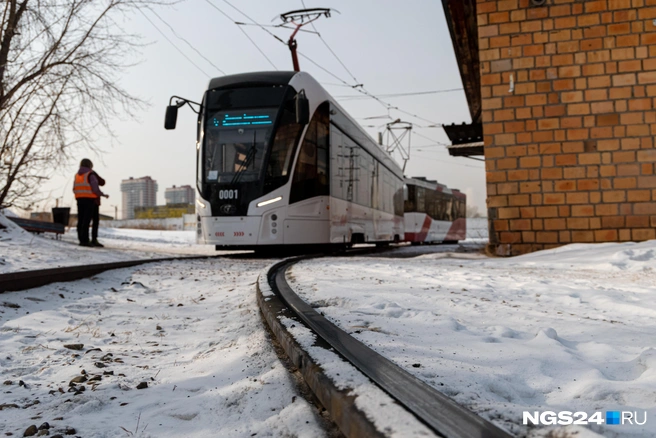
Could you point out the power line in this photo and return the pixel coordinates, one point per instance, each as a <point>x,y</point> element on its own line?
<point>425,146</point>
<point>172,43</point>
<point>363,91</point>
<point>243,31</point>
<point>331,50</point>
<point>254,22</point>
<point>277,26</point>
<point>417,93</point>
<point>431,139</point>
<point>359,89</point>
<point>450,162</point>
<point>187,42</point>
<point>322,68</point>
<point>341,85</point>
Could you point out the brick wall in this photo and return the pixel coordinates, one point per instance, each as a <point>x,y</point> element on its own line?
<point>570,151</point>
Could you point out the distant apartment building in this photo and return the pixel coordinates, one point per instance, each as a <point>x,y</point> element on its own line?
<point>138,192</point>
<point>179,195</point>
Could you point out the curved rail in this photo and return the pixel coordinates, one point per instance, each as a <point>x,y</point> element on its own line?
<point>440,413</point>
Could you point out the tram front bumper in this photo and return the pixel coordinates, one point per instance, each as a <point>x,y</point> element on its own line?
<point>236,230</point>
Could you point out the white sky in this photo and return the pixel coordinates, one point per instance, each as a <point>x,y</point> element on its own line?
<point>388,47</point>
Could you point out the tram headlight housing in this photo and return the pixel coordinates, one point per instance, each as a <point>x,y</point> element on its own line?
<point>270,201</point>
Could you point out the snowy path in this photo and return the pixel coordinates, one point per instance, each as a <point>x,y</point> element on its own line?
<point>190,331</point>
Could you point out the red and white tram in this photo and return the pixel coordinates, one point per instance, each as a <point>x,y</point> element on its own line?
<point>433,212</point>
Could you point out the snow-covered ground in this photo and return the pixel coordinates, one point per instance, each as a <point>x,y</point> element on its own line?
<point>144,352</point>
<point>570,329</point>
<point>20,250</point>
<point>565,329</point>
<point>200,346</point>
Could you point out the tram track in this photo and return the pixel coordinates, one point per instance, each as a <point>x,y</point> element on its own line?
<point>276,298</point>
<point>441,414</point>
<point>22,280</point>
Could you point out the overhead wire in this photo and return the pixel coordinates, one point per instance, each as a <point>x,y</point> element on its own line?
<point>277,26</point>
<point>423,157</point>
<point>387,96</point>
<point>183,39</point>
<point>331,50</point>
<point>254,22</point>
<point>454,163</point>
<point>341,85</point>
<point>173,44</point>
<point>362,90</point>
<point>243,31</point>
<point>432,139</point>
<point>358,87</point>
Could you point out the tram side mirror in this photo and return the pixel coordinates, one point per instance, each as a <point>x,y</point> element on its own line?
<point>302,109</point>
<point>171,117</point>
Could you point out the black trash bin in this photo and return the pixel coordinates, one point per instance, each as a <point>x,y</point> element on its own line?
<point>61,215</point>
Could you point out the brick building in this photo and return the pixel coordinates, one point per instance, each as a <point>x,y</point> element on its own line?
<point>567,106</point>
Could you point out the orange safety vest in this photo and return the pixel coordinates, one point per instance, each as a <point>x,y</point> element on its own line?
<point>82,187</point>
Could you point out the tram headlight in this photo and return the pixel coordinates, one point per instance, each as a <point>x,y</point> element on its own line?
<point>270,201</point>
<point>200,203</point>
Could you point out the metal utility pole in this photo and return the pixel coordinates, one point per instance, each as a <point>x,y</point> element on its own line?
<point>300,18</point>
<point>397,140</point>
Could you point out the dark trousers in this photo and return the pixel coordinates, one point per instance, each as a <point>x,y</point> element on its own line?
<point>94,222</point>
<point>85,211</point>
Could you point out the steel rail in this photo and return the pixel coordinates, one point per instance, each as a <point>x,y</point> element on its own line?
<point>16,281</point>
<point>440,413</point>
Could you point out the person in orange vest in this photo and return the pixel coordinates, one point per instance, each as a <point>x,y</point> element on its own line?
<point>95,217</point>
<point>87,194</point>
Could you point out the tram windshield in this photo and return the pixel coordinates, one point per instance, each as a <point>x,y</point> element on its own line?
<point>236,142</point>
<point>250,136</point>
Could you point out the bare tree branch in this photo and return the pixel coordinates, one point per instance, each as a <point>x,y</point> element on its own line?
<point>59,64</point>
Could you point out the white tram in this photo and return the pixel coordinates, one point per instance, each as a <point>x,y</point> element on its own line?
<point>279,162</point>
<point>433,212</point>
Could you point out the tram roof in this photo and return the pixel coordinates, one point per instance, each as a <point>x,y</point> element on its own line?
<point>421,181</point>
<point>255,78</point>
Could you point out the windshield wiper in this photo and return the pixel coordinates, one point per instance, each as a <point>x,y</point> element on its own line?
<point>250,156</point>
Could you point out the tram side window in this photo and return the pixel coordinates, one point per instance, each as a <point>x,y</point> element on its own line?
<point>398,200</point>
<point>449,210</point>
<point>410,200</point>
<point>311,172</point>
<point>386,192</point>
<point>431,203</point>
<point>283,148</point>
<point>363,179</point>
<point>439,206</point>
<point>420,198</point>
<point>338,164</point>
<point>352,152</point>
